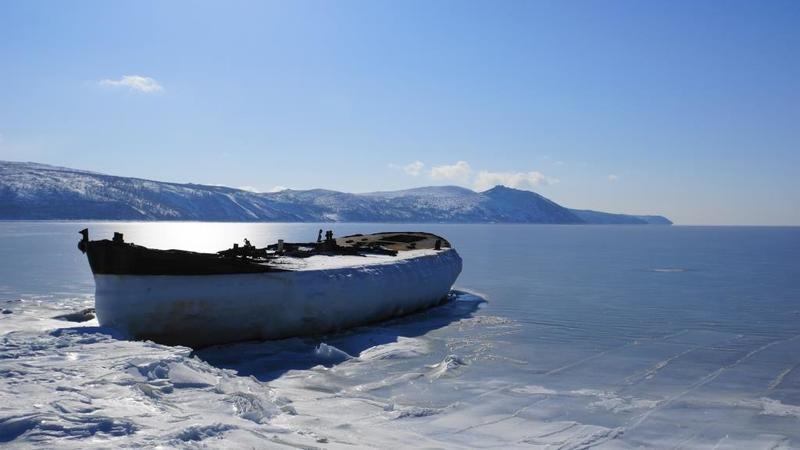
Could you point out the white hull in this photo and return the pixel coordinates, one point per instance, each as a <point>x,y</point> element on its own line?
<point>201,310</point>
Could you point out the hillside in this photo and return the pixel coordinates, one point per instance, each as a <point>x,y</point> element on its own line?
<point>30,191</point>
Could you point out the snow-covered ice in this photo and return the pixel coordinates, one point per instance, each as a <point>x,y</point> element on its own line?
<point>81,385</point>
<point>420,381</point>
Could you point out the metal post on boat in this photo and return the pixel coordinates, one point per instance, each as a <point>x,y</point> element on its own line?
<point>84,243</point>
<point>329,244</point>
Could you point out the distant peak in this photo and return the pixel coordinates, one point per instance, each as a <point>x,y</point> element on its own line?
<point>425,190</point>
<point>505,189</point>
<point>501,187</point>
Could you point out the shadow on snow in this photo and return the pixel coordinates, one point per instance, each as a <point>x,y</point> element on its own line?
<point>268,360</point>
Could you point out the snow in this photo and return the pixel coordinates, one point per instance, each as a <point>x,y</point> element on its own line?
<point>417,381</point>
<point>85,386</point>
<point>326,262</point>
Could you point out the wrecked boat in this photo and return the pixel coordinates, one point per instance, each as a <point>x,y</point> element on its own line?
<point>179,297</point>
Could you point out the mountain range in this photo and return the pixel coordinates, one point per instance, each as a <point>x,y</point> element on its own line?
<point>32,191</point>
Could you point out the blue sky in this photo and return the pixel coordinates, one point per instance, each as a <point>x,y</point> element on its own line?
<point>685,108</point>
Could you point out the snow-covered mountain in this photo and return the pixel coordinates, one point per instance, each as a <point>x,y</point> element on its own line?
<point>38,191</point>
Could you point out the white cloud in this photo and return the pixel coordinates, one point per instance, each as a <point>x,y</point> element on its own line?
<point>519,180</point>
<point>458,171</point>
<point>135,82</point>
<point>462,173</point>
<point>278,189</point>
<point>414,168</point>
<point>249,189</point>
<point>613,178</point>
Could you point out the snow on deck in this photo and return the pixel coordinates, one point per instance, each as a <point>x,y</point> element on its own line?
<point>326,262</point>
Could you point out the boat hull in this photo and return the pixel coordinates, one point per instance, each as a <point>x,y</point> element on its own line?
<point>203,310</point>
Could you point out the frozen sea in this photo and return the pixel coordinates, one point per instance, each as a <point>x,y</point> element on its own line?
<point>557,337</point>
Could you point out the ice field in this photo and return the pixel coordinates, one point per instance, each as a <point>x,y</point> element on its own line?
<point>556,337</point>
